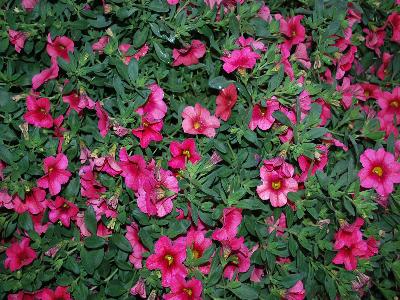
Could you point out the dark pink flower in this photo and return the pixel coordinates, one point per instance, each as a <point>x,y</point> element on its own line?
<point>155,107</point>
<point>287,134</point>
<point>38,224</point>
<point>90,187</point>
<point>345,62</point>
<point>250,42</point>
<point>107,164</point>
<point>241,59</point>
<point>59,47</point>
<point>293,30</point>
<point>78,102</point>
<point>189,55</point>
<point>265,13</point>
<point>371,91</point>
<point>302,56</point>
<point>139,289</point>
<point>124,48</point>
<point>45,75</point>
<point>198,120</point>
<point>132,235</point>
<point>173,2</point>
<point>184,290</point>
<point>262,117</point>
<point>133,170</point>
<point>350,91</point>
<point>325,112</point>
<point>21,295</point>
<point>319,162</point>
<point>277,226</point>
<point>168,258</point>
<point>154,198</point>
<point>29,5</point>
<point>182,153</point>
<point>383,70</point>
<point>60,293</point>
<point>238,254</point>
<point>394,21</point>
<point>353,15</point>
<point>375,39</point>
<point>103,123</point>
<point>380,171</point>
<point>257,274</point>
<point>348,255</point>
<point>35,201</point>
<point>56,173</point>
<point>225,101</point>
<point>349,234</point>
<point>390,105</point>
<point>62,210</point>
<point>38,113</point>
<point>19,255</point>
<point>101,44</point>
<point>17,38</point>
<point>149,131</point>
<point>296,292</point>
<point>231,219</point>
<point>343,42</point>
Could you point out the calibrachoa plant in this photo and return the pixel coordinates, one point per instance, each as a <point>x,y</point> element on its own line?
<point>199,149</point>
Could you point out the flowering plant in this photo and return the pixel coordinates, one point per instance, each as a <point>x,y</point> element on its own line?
<point>199,149</point>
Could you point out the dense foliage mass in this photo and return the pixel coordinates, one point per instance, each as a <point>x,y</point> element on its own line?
<point>199,149</point>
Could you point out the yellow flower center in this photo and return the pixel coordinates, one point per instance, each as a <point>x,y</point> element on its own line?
<point>51,169</point>
<point>65,205</point>
<point>242,71</point>
<point>186,153</point>
<point>263,110</point>
<point>196,125</point>
<point>145,124</point>
<point>196,253</point>
<point>169,259</point>
<point>276,185</point>
<point>188,291</point>
<point>395,104</point>
<point>293,33</point>
<point>378,171</point>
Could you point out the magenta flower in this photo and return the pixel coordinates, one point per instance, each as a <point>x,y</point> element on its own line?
<point>394,21</point>
<point>241,59</point>
<point>133,170</point>
<point>277,226</point>
<point>239,255</point>
<point>296,292</point>
<point>375,39</point>
<point>349,234</point>
<point>318,163</point>
<point>50,73</point>
<point>101,44</point>
<point>56,173</point>
<point>35,201</point>
<point>302,56</point>
<point>182,153</point>
<point>380,171</point>
<point>19,255</point>
<point>390,104</point>
<point>371,91</point>
<point>185,290</point>
<point>60,293</point>
<point>132,235</point>
<point>29,5</point>
<point>383,70</point>
<point>189,55</point>
<point>59,47</point>
<point>139,289</point>
<point>345,62</point>
<point>155,107</point>
<point>38,113</point>
<point>168,258</point>
<point>293,30</point>
<point>124,48</point>
<point>62,210</point>
<point>104,123</point>
<point>198,120</point>
<point>231,219</point>
<point>149,131</point>
<point>262,117</point>
<point>17,38</point>
<point>225,101</point>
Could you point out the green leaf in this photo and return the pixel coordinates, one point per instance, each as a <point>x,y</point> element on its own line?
<point>91,259</point>
<point>161,53</point>
<point>90,220</point>
<point>121,242</point>
<point>244,291</point>
<point>94,242</point>
<point>115,288</point>
<point>219,82</point>
<point>25,221</point>
<point>281,117</point>
<point>315,133</point>
<point>133,70</point>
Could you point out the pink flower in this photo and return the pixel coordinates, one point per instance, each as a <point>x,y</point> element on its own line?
<point>279,225</point>
<point>231,219</point>
<point>90,187</point>
<point>225,101</point>
<point>343,42</point>
<point>265,13</point>
<point>239,255</point>
<point>60,293</point>
<point>45,75</point>
<point>383,70</point>
<point>6,200</point>
<point>348,255</point>
<point>132,235</point>
<point>38,224</point>
<point>380,171</point>
<point>35,201</point>
<point>62,210</point>
<point>394,21</point>
<point>154,198</point>
<point>185,290</point>
<point>250,42</point>
<point>21,295</point>
<point>353,15</point>
<point>375,39</point>
<point>101,44</point>
<point>319,162</point>
<point>275,186</point>
<point>296,292</point>
<point>302,56</point>
<point>155,107</point>
<point>325,112</point>
<point>182,153</point>
<point>17,38</point>
<point>173,2</point>
<point>262,117</point>
<point>257,274</point>
<point>149,131</point>
<point>189,55</point>
<point>168,258</point>
<point>124,48</point>
<point>107,164</point>
<point>350,91</point>
<point>287,134</point>
<point>139,289</point>
<point>56,173</point>
<point>293,30</point>
<point>133,170</point>
<point>345,62</point>
<point>349,234</point>
<point>103,123</point>
<point>19,255</point>
<point>390,104</point>
<point>38,113</point>
<point>59,47</point>
<point>241,59</point>
<point>29,5</point>
<point>78,102</point>
<point>198,120</point>
<point>371,91</point>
